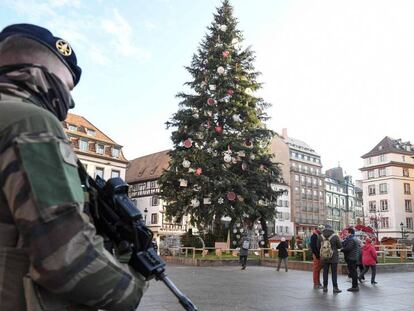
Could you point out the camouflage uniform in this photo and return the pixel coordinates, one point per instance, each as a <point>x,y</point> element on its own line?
<point>50,256</point>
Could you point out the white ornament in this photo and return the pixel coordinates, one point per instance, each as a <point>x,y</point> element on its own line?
<point>236,118</point>
<point>195,203</point>
<point>244,166</point>
<point>261,202</point>
<point>241,153</point>
<point>248,91</point>
<point>234,41</point>
<point>252,157</point>
<point>241,230</point>
<point>223,27</point>
<point>183,183</point>
<point>238,236</point>
<point>186,163</point>
<point>221,201</point>
<point>212,87</point>
<point>196,116</point>
<point>234,230</point>
<point>221,70</point>
<point>227,158</point>
<point>214,153</point>
<point>207,201</point>
<point>262,242</point>
<point>237,225</point>
<point>234,242</point>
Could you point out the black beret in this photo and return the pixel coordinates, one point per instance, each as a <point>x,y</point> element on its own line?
<point>60,47</point>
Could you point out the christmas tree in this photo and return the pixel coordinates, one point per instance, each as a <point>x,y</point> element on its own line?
<point>220,165</point>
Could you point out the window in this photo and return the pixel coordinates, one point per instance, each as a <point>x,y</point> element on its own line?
<point>369,160</point>
<point>382,158</point>
<point>385,222</point>
<point>72,128</point>
<point>320,182</point>
<point>406,173</point>
<point>99,171</point>
<point>302,179</point>
<point>384,205</point>
<point>409,222</point>
<point>91,132</point>
<point>83,145</point>
<point>296,177</point>
<point>115,173</point>
<point>371,190</point>
<point>372,206</point>
<point>407,189</point>
<point>382,188</point>
<point>154,218</point>
<point>382,172</point>
<point>371,174</point>
<point>154,200</point>
<point>115,152</point>
<point>408,206</point>
<point>99,148</point>
<point>403,158</point>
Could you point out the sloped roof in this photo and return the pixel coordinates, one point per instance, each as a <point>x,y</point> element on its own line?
<point>82,123</point>
<point>148,167</point>
<point>300,145</point>
<point>390,145</point>
<point>335,173</point>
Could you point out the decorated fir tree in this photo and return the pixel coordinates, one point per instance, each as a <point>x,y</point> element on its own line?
<point>220,163</point>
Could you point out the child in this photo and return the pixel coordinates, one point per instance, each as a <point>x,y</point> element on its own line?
<point>369,259</point>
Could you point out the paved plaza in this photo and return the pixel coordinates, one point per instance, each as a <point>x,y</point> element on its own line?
<point>262,288</point>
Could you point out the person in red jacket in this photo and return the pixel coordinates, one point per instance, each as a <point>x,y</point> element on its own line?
<point>369,260</point>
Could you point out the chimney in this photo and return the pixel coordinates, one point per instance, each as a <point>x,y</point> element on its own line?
<point>284,133</point>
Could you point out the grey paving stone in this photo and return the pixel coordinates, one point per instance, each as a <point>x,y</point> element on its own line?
<point>264,289</point>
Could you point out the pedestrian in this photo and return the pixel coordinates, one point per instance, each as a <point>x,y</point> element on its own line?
<point>369,260</point>
<point>282,253</point>
<point>244,251</point>
<point>315,242</point>
<point>350,248</point>
<point>330,243</point>
<point>50,255</point>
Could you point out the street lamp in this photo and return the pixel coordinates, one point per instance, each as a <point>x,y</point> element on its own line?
<point>402,231</point>
<point>145,215</point>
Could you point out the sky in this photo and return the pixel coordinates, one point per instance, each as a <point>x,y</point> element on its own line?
<point>339,74</point>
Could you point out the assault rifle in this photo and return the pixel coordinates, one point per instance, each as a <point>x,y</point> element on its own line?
<point>117,218</point>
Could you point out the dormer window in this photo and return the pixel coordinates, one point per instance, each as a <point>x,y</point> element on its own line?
<point>379,147</point>
<point>99,148</point>
<point>72,128</point>
<point>83,145</point>
<point>90,132</point>
<point>115,152</point>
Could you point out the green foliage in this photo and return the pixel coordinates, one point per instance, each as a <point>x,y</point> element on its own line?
<point>220,140</point>
<point>299,256</point>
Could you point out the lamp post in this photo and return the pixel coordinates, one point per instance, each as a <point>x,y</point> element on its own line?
<point>402,231</point>
<point>145,215</point>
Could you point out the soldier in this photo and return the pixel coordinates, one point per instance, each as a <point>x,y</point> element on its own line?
<point>50,255</point>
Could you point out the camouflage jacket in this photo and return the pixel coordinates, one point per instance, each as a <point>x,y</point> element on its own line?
<point>50,256</point>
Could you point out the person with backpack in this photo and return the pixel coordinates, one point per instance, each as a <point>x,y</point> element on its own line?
<point>282,253</point>
<point>315,240</point>
<point>244,251</point>
<point>351,250</point>
<point>369,260</point>
<point>329,246</point>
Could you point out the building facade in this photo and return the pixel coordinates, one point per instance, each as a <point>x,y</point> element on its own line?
<point>98,153</point>
<point>306,181</point>
<point>283,225</point>
<point>340,207</point>
<point>388,193</point>
<point>142,176</point>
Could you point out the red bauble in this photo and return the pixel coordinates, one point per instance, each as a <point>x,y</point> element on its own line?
<point>230,92</point>
<point>226,54</point>
<point>211,101</point>
<point>188,143</point>
<point>231,196</point>
<point>199,171</point>
<point>218,129</point>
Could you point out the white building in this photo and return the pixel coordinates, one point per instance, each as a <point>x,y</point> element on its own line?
<point>98,153</point>
<point>388,188</point>
<point>142,176</point>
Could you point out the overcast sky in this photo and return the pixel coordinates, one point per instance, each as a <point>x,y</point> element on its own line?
<point>339,74</point>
